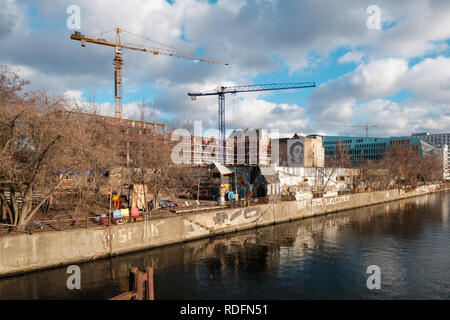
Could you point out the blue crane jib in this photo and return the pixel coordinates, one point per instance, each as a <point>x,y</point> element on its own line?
<point>253,88</point>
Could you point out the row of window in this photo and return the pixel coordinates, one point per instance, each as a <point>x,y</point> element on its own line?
<point>335,141</point>
<point>362,146</point>
<point>361,158</point>
<point>365,151</point>
<point>404,141</point>
<point>370,145</point>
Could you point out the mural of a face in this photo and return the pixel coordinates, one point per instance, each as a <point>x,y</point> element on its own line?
<point>296,153</point>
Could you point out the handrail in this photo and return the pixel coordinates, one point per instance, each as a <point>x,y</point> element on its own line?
<point>83,222</point>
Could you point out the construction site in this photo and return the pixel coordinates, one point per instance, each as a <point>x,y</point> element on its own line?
<point>215,151</point>
<point>130,185</point>
<point>247,167</point>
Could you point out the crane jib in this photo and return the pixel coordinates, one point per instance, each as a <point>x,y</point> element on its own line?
<point>254,88</point>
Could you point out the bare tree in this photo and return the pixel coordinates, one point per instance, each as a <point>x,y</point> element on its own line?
<point>42,141</point>
<point>403,163</point>
<point>339,159</point>
<point>151,164</point>
<point>11,87</point>
<point>373,175</point>
<point>431,168</point>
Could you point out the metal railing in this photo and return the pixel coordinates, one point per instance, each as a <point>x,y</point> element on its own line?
<point>97,222</point>
<point>50,225</point>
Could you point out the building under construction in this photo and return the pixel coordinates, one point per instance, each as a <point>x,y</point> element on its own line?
<point>249,147</point>
<point>131,134</point>
<point>243,147</point>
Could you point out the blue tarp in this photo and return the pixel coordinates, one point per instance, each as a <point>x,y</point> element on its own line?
<point>117,214</point>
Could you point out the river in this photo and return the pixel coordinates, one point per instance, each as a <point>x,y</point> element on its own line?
<point>316,258</point>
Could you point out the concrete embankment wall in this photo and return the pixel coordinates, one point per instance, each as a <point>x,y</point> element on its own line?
<point>22,253</point>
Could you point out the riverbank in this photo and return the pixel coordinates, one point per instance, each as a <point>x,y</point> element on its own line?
<point>23,253</point>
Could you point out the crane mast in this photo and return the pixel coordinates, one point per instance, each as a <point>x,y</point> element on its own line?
<point>221,91</point>
<point>118,62</point>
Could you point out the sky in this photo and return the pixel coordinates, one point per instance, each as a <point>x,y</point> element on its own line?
<point>396,77</point>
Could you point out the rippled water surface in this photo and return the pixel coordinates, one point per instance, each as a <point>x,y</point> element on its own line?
<point>316,258</point>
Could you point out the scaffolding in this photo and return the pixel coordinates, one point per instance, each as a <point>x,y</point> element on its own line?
<point>132,134</point>
<point>205,150</point>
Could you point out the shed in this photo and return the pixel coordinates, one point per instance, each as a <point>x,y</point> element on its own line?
<point>267,182</point>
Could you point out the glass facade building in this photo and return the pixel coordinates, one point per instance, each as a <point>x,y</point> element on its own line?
<point>362,149</point>
<point>442,140</point>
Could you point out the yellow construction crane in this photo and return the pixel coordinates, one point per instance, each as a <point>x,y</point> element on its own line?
<point>118,61</point>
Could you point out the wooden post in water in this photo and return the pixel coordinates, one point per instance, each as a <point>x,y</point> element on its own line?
<point>150,288</point>
<point>140,286</point>
<point>133,278</point>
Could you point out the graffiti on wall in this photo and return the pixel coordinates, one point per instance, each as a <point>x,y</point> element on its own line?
<point>322,202</point>
<point>296,152</point>
<point>247,213</point>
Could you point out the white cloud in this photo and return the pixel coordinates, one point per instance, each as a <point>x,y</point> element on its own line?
<point>256,37</point>
<point>334,101</point>
<point>258,113</point>
<point>352,56</point>
<point>74,95</point>
<point>378,78</point>
<point>430,80</point>
<point>419,28</point>
<point>362,93</point>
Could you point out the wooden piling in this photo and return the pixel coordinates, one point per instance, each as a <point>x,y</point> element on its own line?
<point>150,288</point>
<point>140,286</point>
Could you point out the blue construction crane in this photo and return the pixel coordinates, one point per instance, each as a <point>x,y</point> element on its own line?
<point>221,91</point>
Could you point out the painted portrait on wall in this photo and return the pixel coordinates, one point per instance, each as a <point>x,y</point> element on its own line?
<point>296,152</point>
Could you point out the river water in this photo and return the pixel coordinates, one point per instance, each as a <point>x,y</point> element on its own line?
<point>317,258</point>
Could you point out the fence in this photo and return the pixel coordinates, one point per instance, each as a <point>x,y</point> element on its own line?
<point>36,197</point>
<point>50,225</point>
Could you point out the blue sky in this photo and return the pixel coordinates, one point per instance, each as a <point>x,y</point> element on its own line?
<point>397,78</point>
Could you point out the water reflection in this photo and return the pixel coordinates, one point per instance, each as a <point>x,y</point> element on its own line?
<point>321,257</point>
<point>445,204</point>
